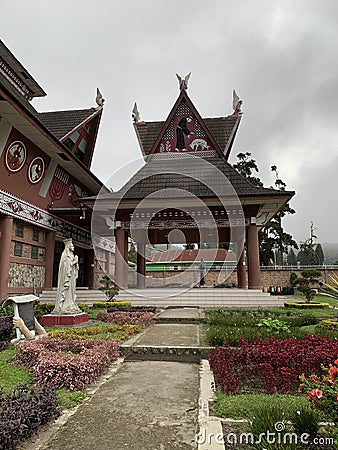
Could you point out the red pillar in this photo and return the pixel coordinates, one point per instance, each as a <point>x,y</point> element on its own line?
<point>120,261</point>
<point>6,226</point>
<point>241,272</point>
<point>49,259</point>
<point>252,249</point>
<point>141,266</point>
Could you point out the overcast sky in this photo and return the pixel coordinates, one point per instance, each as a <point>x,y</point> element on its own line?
<point>280,56</point>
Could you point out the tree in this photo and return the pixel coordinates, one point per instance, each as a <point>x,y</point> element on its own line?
<point>307,254</point>
<point>273,237</point>
<point>291,258</point>
<point>283,240</point>
<point>304,283</point>
<point>245,166</point>
<point>319,255</point>
<point>132,255</point>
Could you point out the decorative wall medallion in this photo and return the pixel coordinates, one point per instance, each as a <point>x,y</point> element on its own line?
<point>15,156</point>
<point>36,170</point>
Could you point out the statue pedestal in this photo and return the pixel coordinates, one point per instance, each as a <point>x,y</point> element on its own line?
<point>52,320</point>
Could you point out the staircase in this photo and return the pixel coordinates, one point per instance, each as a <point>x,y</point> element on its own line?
<point>87,296</point>
<point>200,297</point>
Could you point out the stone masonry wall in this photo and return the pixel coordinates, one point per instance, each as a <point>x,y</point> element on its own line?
<point>269,277</point>
<point>26,275</point>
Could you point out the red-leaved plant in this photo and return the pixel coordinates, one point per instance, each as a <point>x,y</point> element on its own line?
<point>271,364</point>
<point>67,363</point>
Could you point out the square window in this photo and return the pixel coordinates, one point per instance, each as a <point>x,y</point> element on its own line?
<point>18,249</point>
<point>34,252</point>
<point>19,229</point>
<point>35,234</point>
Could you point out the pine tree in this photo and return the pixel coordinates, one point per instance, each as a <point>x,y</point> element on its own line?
<point>272,237</point>
<point>319,255</point>
<point>291,258</point>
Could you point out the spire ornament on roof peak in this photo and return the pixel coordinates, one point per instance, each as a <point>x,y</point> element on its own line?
<point>136,114</point>
<point>99,98</point>
<point>236,104</point>
<point>183,82</point>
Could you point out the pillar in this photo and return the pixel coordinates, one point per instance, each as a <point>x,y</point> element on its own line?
<point>141,266</point>
<point>241,272</point>
<point>108,262</point>
<point>6,226</point>
<point>49,259</point>
<point>120,258</point>
<point>89,269</point>
<point>252,254</point>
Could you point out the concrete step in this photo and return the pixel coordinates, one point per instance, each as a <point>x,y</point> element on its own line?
<point>87,296</point>
<point>204,297</point>
<point>165,353</point>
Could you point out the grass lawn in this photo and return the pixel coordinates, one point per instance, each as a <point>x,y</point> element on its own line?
<point>247,406</point>
<point>11,376</point>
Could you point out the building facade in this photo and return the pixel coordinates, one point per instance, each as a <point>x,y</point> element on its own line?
<point>45,160</point>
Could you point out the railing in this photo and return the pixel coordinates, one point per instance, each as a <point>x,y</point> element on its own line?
<point>318,267</point>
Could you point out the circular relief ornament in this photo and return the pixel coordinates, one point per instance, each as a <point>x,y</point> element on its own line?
<point>36,170</point>
<point>15,156</point>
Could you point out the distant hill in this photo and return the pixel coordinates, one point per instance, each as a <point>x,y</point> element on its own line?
<point>330,253</point>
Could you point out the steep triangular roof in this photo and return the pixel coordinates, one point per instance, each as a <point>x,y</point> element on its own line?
<point>207,137</point>
<point>61,123</point>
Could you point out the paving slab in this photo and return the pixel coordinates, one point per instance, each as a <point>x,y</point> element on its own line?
<point>181,313</point>
<point>144,406</point>
<point>179,335</point>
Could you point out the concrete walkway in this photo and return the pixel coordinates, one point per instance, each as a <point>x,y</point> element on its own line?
<point>144,405</point>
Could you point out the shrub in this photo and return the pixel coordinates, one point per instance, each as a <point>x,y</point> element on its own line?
<point>322,389</point>
<point>306,305</point>
<point>113,331</point>
<point>304,283</point>
<point>151,309</point>
<point>104,305</point>
<point>270,363</point>
<point>143,320</point>
<point>6,327</point>
<point>109,287</point>
<point>22,412</point>
<point>66,363</point>
<point>41,309</point>
<point>303,320</point>
<point>328,325</point>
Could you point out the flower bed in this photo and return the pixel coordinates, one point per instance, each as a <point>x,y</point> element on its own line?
<point>151,309</point>
<point>143,320</point>
<point>270,364</point>
<point>67,363</point>
<point>22,412</point>
<point>103,331</point>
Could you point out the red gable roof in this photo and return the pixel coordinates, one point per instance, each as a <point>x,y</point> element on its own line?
<point>207,254</point>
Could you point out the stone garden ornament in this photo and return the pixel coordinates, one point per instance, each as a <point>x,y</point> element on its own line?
<point>66,289</point>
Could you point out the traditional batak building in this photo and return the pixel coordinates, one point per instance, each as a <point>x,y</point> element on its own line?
<point>45,160</point>
<point>188,192</point>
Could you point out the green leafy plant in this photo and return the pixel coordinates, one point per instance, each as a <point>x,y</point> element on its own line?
<point>274,326</point>
<point>305,420</point>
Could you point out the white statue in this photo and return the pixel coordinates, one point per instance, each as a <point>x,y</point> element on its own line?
<point>68,273</point>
